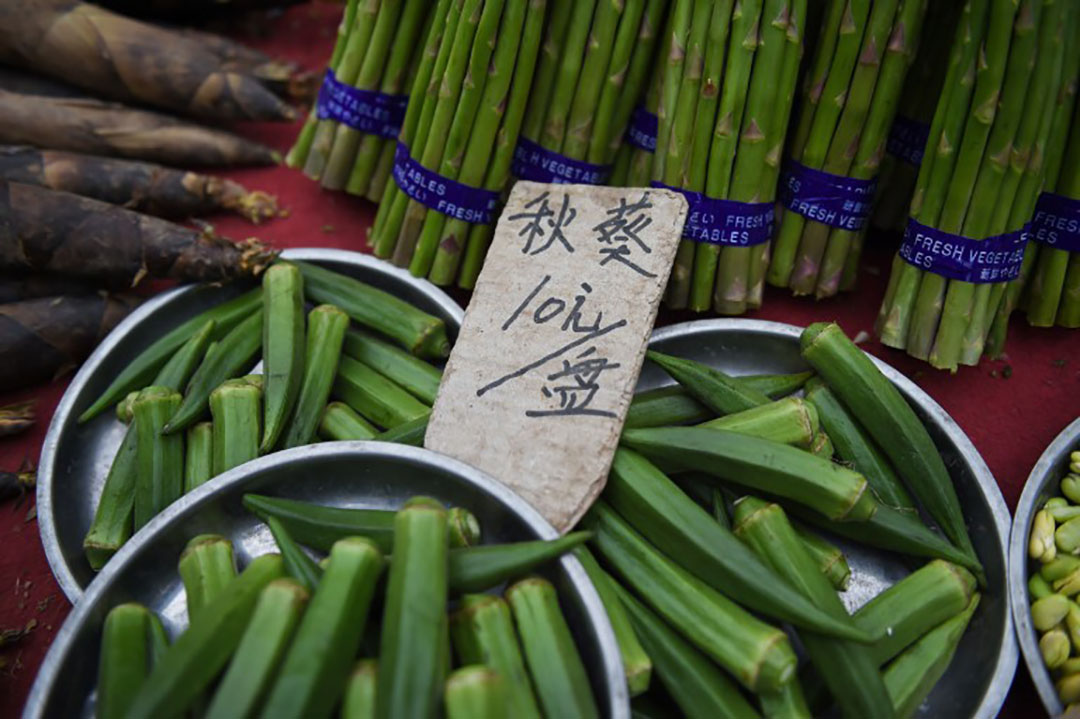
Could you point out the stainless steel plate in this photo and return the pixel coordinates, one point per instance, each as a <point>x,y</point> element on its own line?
<point>345,474</point>
<point>75,458</point>
<point>1041,485</point>
<point>979,677</point>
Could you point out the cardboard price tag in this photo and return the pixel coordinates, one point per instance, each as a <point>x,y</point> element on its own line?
<point>540,379</point>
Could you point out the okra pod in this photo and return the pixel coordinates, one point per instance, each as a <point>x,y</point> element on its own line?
<point>788,421</point>
<point>822,446</point>
<point>848,668</point>
<point>317,665</point>
<point>716,390</point>
<point>196,657</point>
<point>788,702</point>
<point>756,654</point>
<point>562,685</point>
<point>359,702</point>
<point>143,368</point>
<point>298,564</point>
<point>476,692</point>
<point>111,526</point>
<point>665,407</point>
<point>879,407</point>
<point>830,561</point>
<point>178,370</point>
<point>410,433</point>
<point>234,407</point>
<point>463,526</point>
<point>856,448</point>
<point>374,396</point>
<point>158,639</point>
<point>325,335</point>
<point>206,567</point>
<point>475,569</point>
<point>417,331</point>
<point>483,633</point>
<point>915,672</point>
<point>125,656</point>
<point>124,411</point>
<point>319,527</point>
<point>159,458</point>
<point>698,686</point>
<point>636,663</point>
<point>260,650</point>
<point>834,490</point>
<point>282,346</point>
<point>232,354</point>
<point>411,669</point>
<point>414,375</point>
<point>656,508</point>
<point>341,422</point>
<point>775,385</point>
<point>198,455</point>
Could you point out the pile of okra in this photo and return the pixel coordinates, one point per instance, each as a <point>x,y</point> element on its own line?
<point>391,623</point>
<point>1053,588</point>
<point>194,412</point>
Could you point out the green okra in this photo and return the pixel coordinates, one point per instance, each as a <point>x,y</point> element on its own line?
<point>562,685</point>
<point>195,658</point>
<point>830,560</point>
<point>374,396</point>
<point>848,668</point>
<point>413,374</point>
<point>260,650</point>
<point>482,632</point>
<point>124,659</point>
<point>775,386</point>
<point>325,335</point>
<point>158,639</point>
<point>417,331</point>
<point>282,347</point>
<point>657,509</point>
<point>913,674</point>
<point>716,390</point>
<point>207,566</point>
<point>319,527</point>
<point>198,455</point>
<point>756,654</point>
<point>410,433</point>
<point>298,564</point>
<point>111,526</point>
<point>788,702</point>
<point>124,407</point>
<point>159,458</point>
<point>342,423</point>
<point>788,421</point>
<point>143,368</point>
<point>636,662</point>
<point>822,446</point>
<point>835,491</point>
<point>232,354</point>
<point>475,569</point>
<point>178,370</point>
<point>411,671</point>
<point>359,701</point>
<point>476,692</point>
<point>463,526</point>
<point>664,407</point>
<point>234,407</point>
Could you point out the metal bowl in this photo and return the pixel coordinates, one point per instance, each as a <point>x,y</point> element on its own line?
<point>75,458</point>
<point>1041,485</point>
<point>346,474</point>
<point>981,673</point>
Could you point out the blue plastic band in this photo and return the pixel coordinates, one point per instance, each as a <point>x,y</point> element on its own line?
<point>995,259</point>
<point>474,205</point>
<point>642,131</point>
<point>370,112</point>
<point>1057,222</point>
<point>536,163</point>
<point>725,222</point>
<point>907,140</point>
<point>842,202</point>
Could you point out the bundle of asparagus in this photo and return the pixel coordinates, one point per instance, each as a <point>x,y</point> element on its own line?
<point>348,139</point>
<point>965,238</point>
<point>852,93</point>
<point>457,139</point>
<point>727,86</point>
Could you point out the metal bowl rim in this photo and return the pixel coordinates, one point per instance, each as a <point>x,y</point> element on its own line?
<point>47,676</point>
<point>47,462</point>
<point>1005,669</point>
<point>1025,509</point>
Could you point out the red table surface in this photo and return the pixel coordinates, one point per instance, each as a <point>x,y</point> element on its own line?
<point>1010,408</point>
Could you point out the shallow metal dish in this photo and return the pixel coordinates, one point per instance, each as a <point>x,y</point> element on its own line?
<point>981,673</point>
<point>1041,485</point>
<point>75,458</point>
<point>373,475</point>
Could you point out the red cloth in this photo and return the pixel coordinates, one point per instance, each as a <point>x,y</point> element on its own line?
<point>1011,409</point>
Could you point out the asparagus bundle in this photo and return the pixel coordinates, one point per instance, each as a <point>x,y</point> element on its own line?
<point>129,60</point>
<point>726,91</point>
<point>965,238</point>
<point>457,139</point>
<point>840,141</point>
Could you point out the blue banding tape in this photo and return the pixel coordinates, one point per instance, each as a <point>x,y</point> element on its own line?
<point>1057,222</point>
<point>725,222</point>
<point>642,130</point>
<point>995,259</point>
<point>907,140</point>
<point>369,112</point>
<point>539,164</point>
<point>834,200</point>
<point>474,205</point>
